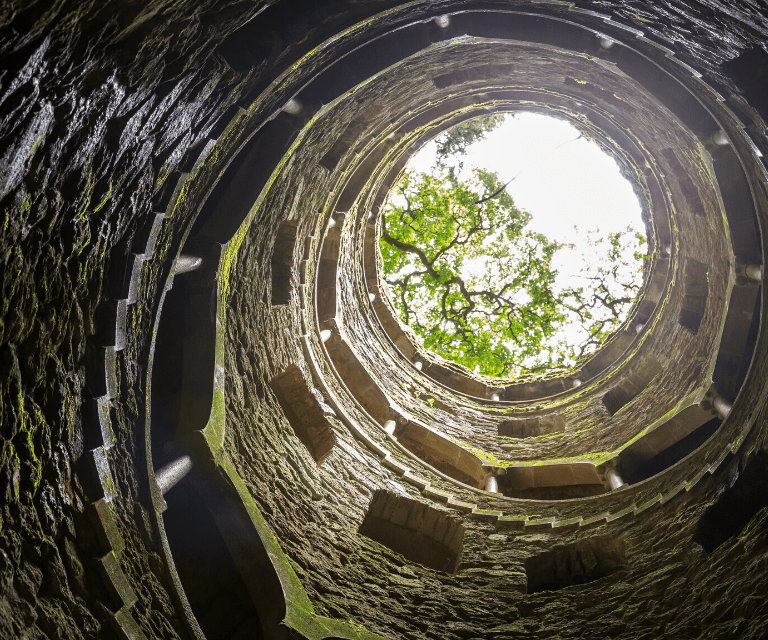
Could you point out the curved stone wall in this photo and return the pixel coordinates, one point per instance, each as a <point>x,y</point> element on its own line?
<point>213,428</point>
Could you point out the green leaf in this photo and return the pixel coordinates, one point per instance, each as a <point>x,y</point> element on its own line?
<point>478,288</point>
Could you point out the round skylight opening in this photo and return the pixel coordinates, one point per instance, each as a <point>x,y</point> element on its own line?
<point>513,245</point>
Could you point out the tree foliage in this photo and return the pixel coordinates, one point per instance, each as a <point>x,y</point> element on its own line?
<point>611,274</point>
<point>481,290</point>
<point>465,275</point>
<point>454,143</point>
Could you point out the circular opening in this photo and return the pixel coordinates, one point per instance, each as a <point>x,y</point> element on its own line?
<point>513,245</point>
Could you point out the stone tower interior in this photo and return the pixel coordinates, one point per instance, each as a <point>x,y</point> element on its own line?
<point>213,427</point>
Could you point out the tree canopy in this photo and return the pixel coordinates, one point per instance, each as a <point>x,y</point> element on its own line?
<point>454,143</point>
<point>481,290</point>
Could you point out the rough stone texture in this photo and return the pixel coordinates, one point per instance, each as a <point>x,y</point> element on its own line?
<point>104,107</point>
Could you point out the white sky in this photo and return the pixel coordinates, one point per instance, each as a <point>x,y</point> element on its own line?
<point>561,186</point>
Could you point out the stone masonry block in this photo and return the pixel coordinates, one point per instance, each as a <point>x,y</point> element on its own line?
<point>103,521</point>
<point>306,414</point>
<point>415,530</point>
<point>125,625</point>
<point>116,581</point>
<point>403,517</point>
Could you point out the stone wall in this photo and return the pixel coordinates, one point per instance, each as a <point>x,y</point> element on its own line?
<point>134,131</point>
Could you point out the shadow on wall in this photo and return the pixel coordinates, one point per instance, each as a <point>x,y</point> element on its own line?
<point>213,585</point>
<point>736,506</point>
<point>585,561</point>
